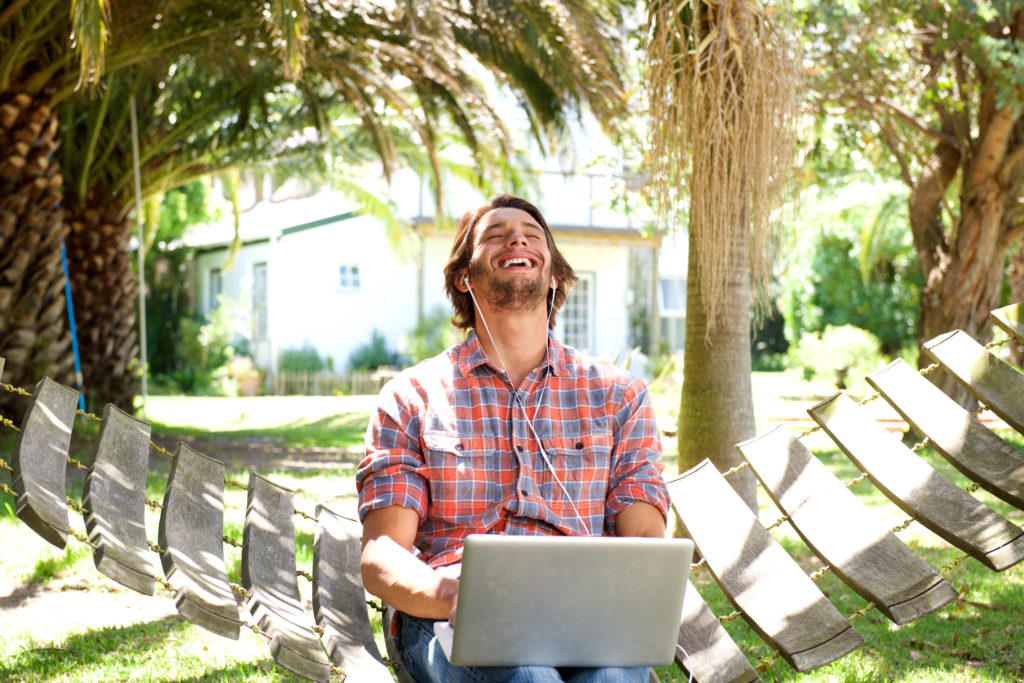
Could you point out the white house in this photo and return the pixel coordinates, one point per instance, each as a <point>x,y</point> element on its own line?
<point>313,272</point>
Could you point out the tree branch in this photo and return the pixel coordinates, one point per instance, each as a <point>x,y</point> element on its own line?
<point>963,129</point>
<point>1013,158</point>
<point>926,201</point>
<point>995,138</point>
<point>888,138</point>
<point>919,125</point>
<point>1010,235</point>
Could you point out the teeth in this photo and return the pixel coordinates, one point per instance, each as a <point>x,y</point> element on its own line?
<point>520,261</point>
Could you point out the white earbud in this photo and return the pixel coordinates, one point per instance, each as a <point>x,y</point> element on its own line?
<point>466,280</point>
<point>554,283</point>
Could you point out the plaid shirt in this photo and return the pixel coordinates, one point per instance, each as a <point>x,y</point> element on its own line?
<point>450,440</point>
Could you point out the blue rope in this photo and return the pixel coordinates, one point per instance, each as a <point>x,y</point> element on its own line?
<point>71,321</point>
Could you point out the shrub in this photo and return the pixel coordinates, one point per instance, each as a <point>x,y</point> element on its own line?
<point>432,335</point>
<point>303,359</point>
<point>768,344</point>
<point>373,354</point>
<point>205,348</point>
<point>769,362</point>
<point>855,264</point>
<point>842,356</point>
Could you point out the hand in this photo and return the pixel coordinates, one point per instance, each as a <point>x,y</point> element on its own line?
<point>451,614</point>
<point>453,571</point>
<point>450,586</point>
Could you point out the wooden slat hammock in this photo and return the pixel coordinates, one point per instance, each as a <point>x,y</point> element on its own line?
<point>770,591</point>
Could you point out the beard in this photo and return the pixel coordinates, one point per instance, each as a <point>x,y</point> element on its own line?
<point>518,294</point>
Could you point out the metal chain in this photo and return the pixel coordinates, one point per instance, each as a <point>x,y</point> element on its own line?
<point>241,590</point>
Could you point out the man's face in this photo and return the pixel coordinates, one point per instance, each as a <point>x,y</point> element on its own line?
<point>511,263</point>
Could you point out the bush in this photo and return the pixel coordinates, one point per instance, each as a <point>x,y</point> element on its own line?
<point>842,356</point>
<point>205,348</point>
<point>856,266</point>
<point>432,335</point>
<point>303,359</point>
<point>769,362</point>
<point>373,354</point>
<point>768,344</point>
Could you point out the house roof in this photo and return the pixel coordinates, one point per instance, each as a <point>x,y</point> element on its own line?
<point>571,233</point>
<point>264,222</point>
<point>266,219</point>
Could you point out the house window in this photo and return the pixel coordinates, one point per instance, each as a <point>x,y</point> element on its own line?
<point>348,278</point>
<point>215,289</point>
<point>672,296</point>
<point>672,312</point>
<point>576,315</point>
<point>259,301</point>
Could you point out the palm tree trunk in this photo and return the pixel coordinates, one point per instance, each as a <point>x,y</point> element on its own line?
<point>103,287</point>
<point>716,409</point>
<point>33,335</point>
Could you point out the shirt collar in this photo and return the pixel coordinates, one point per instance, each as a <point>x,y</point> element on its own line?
<point>471,356</point>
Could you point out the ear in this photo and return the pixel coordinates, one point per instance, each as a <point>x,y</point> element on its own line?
<point>460,282</point>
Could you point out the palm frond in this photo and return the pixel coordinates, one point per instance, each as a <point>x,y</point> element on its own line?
<point>90,22</point>
<point>289,26</point>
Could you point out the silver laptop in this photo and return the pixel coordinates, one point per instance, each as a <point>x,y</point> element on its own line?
<point>568,601</point>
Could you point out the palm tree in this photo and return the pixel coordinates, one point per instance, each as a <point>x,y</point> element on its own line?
<point>217,86</point>
<point>721,84</point>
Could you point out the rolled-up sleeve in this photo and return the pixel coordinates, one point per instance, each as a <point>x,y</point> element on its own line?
<point>636,457</point>
<point>392,471</point>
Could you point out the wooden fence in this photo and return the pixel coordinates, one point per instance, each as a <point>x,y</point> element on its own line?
<point>331,384</point>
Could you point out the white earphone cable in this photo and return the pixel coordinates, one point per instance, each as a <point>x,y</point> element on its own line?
<point>522,406</point>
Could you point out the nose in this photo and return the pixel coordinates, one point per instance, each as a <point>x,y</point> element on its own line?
<point>516,238</point>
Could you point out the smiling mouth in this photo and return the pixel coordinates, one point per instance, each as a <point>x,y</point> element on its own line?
<point>516,261</point>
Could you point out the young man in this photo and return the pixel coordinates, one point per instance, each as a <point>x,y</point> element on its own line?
<point>509,432</point>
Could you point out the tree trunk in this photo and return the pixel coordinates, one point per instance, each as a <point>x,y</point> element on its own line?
<point>1015,276</point>
<point>33,335</point>
<point>716,410</point>
<point>964,285</point>
<point>964,270</point>
<point>104,288</point>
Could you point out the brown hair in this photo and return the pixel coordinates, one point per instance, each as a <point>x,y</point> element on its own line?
<point>462,253</point>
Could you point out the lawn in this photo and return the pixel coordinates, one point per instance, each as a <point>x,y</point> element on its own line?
<point>62,620</point>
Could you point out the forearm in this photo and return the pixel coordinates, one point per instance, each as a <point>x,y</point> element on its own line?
<point>391,572</point>
<point>640,519</point>
<point>406,583</point>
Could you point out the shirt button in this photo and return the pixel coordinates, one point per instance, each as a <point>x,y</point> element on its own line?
<point>458,446</point>
<point>579,445</point>
<point>519,448</point>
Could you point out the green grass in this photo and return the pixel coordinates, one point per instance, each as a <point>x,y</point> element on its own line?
<point>164,650</point>
<point>297,421</point>
<point>51,567</point>
<point>312,453</point>
<point>976,639</point>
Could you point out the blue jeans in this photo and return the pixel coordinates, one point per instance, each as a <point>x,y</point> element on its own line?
<point>427,663</point>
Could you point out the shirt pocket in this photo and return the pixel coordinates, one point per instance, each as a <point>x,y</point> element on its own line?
<point>583,464</point>
<point>466,478</point>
